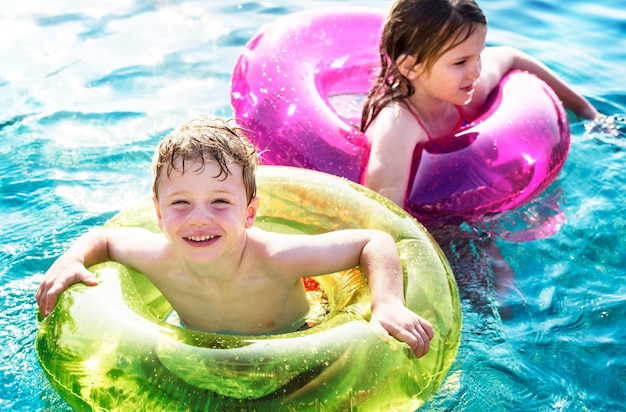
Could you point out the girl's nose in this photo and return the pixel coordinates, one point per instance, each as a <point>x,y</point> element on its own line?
<point>474,71</point>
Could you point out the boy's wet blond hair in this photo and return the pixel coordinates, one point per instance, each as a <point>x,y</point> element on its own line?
<point>203,139</point>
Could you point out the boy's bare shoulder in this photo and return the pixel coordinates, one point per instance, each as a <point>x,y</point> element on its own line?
<point>131,235</point>
<point>139,247</point>
<point>263,240</point>
<point>273,249</point>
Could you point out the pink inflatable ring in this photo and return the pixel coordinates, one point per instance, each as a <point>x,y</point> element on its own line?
<point>286,74</point>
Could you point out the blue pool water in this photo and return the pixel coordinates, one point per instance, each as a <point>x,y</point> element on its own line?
<point>87,89</point>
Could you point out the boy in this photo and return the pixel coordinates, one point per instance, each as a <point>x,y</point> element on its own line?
<point>218,271</point>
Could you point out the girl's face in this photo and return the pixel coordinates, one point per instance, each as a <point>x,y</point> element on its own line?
<point>203,216</point>
<point>454,75</point>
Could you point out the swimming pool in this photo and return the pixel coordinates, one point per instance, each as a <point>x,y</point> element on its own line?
<point>88,89</point>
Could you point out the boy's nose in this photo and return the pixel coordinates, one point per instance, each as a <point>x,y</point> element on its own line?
<point>199,217</point>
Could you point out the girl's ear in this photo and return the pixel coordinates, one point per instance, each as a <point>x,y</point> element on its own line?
<point>253,208</point>
<point>406,66</point>
<point>157,208</point>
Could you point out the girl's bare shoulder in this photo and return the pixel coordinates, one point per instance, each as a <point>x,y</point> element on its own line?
<point>395,122</point>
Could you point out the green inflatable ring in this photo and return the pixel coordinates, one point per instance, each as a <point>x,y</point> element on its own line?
<point>109,347</point>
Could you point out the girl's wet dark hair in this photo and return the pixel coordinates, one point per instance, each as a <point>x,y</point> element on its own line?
<point>204,139</point>
<point>425,30</point>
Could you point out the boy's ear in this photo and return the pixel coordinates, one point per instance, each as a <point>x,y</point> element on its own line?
<point>157,208</point>
<point>406,66</point>
<point>253,208</point>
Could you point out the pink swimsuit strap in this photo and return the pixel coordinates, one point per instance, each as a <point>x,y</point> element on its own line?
<point>463,121</point>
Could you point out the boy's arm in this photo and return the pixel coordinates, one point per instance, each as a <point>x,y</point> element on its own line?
<point>383,269</point>
<point>375,251</point>
<point>503,59</point>
<point>135,247</point>
<point>71,267</point>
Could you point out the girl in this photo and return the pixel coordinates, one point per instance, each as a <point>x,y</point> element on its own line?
<point>435,77</point>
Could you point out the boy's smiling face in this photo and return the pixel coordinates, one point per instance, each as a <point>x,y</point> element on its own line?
<point>203,214</point>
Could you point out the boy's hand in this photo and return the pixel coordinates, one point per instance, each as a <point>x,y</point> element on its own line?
<point>406,326</point>
<point>59,277</point>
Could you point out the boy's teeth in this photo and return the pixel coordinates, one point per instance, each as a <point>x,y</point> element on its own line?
<point>201,238</point>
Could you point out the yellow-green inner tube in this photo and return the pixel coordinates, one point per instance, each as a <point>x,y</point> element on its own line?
<point>109,347</point>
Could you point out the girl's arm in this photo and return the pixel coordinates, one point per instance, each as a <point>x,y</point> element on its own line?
<point>394,134</point>
<point>497,61</point>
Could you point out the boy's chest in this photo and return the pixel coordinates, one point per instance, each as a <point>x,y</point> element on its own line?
<point>251,303</point>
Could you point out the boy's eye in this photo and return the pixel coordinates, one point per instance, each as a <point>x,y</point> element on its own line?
<point>180,202</point>
<point>222,201</point>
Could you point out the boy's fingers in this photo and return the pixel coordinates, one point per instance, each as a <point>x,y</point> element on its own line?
<point>428,328</point>
<point>47,294</point>
<point>418,338</point>
<point>45,305</point>
<point>418,342</point>
<point>425,344</point>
